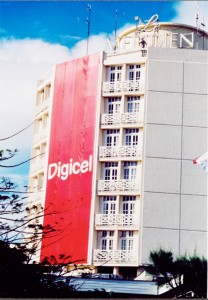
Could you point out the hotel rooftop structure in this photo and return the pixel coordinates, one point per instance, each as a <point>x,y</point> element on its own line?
<point>117,132</point>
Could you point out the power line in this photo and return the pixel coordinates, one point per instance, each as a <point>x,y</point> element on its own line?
<point>9,137</point>
<point>12,166</point>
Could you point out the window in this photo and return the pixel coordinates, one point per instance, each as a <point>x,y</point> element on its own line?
<point>40,181</point>
<point>113,105</point>
<point>34,183</point>
<point>106,240</point>
<point>131,136</point>
<point>36,151</point>
<point>127,240</point>
<point>114,73</point>
<point>128,205</point>
<point>38,125</point>
<point>41,95</point>
<point>134,72</point>
<point>108,205</point>
<point>47,91</point>
<point>129,170</point>
<point>110,171</point>
<point>112,137</point>
<point>45,120</point>
<point>133,104</point>
<point>43,148</point>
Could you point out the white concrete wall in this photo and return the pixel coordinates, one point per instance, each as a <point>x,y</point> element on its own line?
<point>174,195</point>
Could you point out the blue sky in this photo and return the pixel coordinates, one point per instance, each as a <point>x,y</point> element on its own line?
<point>65,22</point>
<point>36,35</point>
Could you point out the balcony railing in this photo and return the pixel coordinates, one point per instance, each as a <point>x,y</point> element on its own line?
<point>36,196</point>
<point>120,151</point>
<point>114,256</point>
<point>116,219</point>
<point>123,118</point>
<point>142,52</point>
<point>42,106</point>
<point>37,164</point>
<point>122,86</point>
<point>40,135</point>
<point>121,185</point>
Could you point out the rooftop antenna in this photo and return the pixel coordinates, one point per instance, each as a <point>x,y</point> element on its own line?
<point>136,18</point>
<point>116,24</point>
<point>197,15</point>
<point>203,25</point>
<point>199,24</point>
<point>88,25</point>
<point>109,44</point>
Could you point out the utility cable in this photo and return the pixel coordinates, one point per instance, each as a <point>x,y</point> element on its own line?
<point>9,137</point>
<point>21,162</point>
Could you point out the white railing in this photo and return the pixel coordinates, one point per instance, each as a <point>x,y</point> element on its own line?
<point>120,151</point>
<point>122,86</point>
<point>40,135</point>
<point>42,106</point>
<point>114,256</point>
<point>142,52</point>
<point>123,118</point>
<point>37,164</point>
<point>116,219</point>
<point>121,185</point>
<point>35,196</point>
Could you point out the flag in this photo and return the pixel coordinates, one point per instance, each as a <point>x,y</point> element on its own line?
<point>202,161</point>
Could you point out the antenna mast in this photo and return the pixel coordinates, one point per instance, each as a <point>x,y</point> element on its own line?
<point>136,18</point>
<point>197,15</point>
<point>116,24</point>
<point>88,25</point>
<point>203,32</point>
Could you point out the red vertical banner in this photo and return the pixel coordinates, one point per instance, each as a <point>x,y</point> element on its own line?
<point>71,152</point>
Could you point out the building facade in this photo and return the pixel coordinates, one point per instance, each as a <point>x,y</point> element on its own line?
<point>117,133</point>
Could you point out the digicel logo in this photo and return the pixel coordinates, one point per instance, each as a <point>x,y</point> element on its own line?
<point>63,171</point>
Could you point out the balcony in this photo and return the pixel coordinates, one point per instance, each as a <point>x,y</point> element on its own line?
<point>114,257</point>
<point>120,152</point>
<point>116,220</point>
<point>36,196</point>
<point>122,119</point>
<point>42,106</point>
<point>118,186</point>
<point>123,87</point>
<point>141,52</point>
<point>40,135</point>
<point>37,164</point>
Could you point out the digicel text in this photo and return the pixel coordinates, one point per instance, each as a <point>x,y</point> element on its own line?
<point>64,170</point>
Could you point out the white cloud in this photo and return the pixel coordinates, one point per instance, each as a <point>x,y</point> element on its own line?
<point>32,52</point>
<point>186,12</point>
<point>22,62</point>
<point>67,37</point>
<point>96,43</point>
<point>19,181</point>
